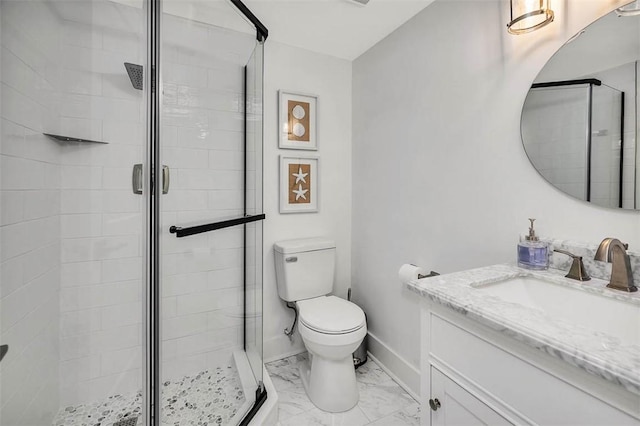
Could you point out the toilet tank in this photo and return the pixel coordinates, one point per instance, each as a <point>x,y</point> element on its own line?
<point>304,268</point>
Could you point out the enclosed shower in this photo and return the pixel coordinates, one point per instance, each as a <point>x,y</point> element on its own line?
<point>573,132</point>
<point>130,212</point>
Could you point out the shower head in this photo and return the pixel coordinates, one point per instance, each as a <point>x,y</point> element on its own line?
<point>135,74</point>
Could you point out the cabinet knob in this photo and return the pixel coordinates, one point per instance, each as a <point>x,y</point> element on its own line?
<point>434,404</point>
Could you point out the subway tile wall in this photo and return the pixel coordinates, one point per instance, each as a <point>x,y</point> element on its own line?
<point>101,219</point>
<point>30,229</point>
<point>203,145</point>
<point>554,131</point>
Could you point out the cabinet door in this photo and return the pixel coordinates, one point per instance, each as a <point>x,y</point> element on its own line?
<point>457,405</point>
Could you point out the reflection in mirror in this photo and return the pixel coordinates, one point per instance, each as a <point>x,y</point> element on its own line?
<point>579,118</point>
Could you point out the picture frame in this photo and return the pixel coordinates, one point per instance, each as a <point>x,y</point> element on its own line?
<point>297,121</point>
<point>299,183</point>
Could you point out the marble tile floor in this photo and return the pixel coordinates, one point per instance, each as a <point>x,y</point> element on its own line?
<point>382,401</point>
<point>210,397</point>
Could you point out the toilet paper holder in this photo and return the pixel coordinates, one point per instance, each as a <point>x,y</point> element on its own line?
<point>430,274</point>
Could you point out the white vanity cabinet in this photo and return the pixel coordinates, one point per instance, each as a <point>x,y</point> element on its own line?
<point>454,405</point>
<point>482,376</point>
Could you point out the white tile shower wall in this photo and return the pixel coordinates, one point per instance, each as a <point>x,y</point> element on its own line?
<point>29,215</point>
<point>203,146</point>
<point>554,115</point>
<point>101,219</point>
<point>440,178</point>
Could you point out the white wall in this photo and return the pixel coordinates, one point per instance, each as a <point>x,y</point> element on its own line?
<point>303,71</point>
<point>29,218</point>
<point>440,177</point>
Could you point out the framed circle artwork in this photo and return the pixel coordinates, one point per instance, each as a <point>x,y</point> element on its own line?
<point>297,122</point>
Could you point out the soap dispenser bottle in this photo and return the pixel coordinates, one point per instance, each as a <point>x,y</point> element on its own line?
<point>533,253</point>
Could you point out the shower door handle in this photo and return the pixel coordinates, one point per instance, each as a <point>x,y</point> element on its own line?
<point>137,179</point>
<point>165,179</point>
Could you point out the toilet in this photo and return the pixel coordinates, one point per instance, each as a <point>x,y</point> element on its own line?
<point>331,327</point>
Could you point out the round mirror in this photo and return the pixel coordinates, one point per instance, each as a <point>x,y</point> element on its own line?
<point>579,121</point>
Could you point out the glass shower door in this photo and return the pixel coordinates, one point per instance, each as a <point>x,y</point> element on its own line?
<point>78,212</point>
<point>211,236</point>
<point>71,227</point>
<point>253,237</point>
<point>607,148</point>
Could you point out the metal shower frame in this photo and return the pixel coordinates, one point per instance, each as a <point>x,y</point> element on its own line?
<point>153,74</point>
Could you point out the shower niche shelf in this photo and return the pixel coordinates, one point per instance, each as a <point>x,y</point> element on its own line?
<point>67,139</point>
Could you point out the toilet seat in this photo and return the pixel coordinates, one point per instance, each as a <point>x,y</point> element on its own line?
<point>330,315</point>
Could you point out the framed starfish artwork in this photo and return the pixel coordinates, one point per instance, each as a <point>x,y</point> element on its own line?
<point>297,121</point>
<point>299,184</point>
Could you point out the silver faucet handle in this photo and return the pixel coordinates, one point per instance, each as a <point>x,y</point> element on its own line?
<point>577,270</point>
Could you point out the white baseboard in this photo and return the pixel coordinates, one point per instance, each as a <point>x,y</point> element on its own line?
<point>405,374</point>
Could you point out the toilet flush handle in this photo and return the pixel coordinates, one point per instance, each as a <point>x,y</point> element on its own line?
<point>434,404</point>
<point>291,259</point>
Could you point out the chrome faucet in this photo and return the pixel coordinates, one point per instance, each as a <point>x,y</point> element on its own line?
<point>614,251</point>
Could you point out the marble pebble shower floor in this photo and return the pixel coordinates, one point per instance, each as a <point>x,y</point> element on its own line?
<point>211,397</point>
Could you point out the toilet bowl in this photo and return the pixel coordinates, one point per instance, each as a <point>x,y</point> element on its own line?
<point>331,329</point>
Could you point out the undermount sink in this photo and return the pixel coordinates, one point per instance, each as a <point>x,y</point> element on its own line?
<point>615,317</point>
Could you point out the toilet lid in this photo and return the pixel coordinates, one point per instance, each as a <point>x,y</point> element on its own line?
<point>330,315</point>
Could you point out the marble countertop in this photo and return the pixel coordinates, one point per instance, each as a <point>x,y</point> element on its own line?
<point>596,352</point>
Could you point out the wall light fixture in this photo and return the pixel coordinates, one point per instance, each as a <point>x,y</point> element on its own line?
<point>631,9</point>
<point>529,15</point>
